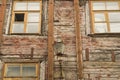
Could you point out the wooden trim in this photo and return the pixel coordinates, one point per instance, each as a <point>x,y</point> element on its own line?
<point>91,17</point>
<point>78,39</point>
<point>3,71</point>
<point>2,19</point>
<point>38,70</point>
<point>87,54</point>
<point>50,39</point>
<point>113,56</point>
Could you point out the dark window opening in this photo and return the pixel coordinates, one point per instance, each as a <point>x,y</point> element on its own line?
<point>19,17</point>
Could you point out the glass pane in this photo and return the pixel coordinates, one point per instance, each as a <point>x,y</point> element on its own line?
<point>98,6</point>
<point>33,17</point>
<point>32,27</point>
<point>21,6</point>
<point>33,5</point>
<point>114,16</point>
<point>99,17</point>
<point>19,17</point>
<point>29,71</point>
<point>28,78</point>
<point>111,4</point>
<point>114,27</point>
<point>18,28</point>
<point>13,70</point>
<point>100,27</point>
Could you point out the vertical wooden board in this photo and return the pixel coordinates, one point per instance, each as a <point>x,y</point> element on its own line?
<point>87,54</point>
<point>2,14</point>
<point>50,39</point>
<point>78,39</point>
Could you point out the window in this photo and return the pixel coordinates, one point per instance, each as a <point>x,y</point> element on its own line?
<point>105,16</point>
<point>22,71</point>
<point>26,17</point>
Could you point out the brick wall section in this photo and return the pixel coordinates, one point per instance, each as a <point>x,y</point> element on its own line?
<point>23,44</point>
<point>65,29</point>
<point>99,66</point>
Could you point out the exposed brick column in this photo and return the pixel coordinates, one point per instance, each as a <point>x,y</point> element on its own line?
<point>50,39</point>
<point>78,39</point>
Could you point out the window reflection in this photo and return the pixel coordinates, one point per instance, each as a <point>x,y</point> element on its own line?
<point>29,70</point>
<point>114,16</point>
<point>28,78</point>
<point>98,6</point>
<point>99,17</point>
<point>32,27</point>
<point>18,28</point>
<point>33,17</point>
<point>115,27</point>
<point>112,5</point>
<point>33,5</point>
<point>21,6</point>
<point>13,70</point>
<point>100,27</point>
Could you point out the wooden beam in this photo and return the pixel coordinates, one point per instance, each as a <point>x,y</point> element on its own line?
<point>2,15</point>
<point>78,39</point>
<point>87,54</point>
<point>113,56</point>
<point>32,52</point>
<point>50,39</point>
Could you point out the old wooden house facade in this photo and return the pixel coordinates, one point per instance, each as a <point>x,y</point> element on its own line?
<point>59,39</point>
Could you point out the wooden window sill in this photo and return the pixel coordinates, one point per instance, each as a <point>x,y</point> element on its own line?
<point>25,34</point>
<point>104,35</point>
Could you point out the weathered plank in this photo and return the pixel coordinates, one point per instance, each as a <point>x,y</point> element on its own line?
<point>78,38</point>
<point>50,39</point>
<point>2,14</point>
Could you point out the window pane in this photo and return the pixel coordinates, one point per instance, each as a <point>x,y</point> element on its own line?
<point>98,6</point>
<point>29,79</point>
<point>32,27</point>
<point>13,70</point>
<point>21,6</point>
<point>19,17</point>
<point>33,5</point>
<point>33,17</point>
<point>112,5</point>
<point>99,17</point>
<point>100,27</point>
<point>18,28</point>
<point>114,27</point>
<point>114,16</point>
<point>29,71</point>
